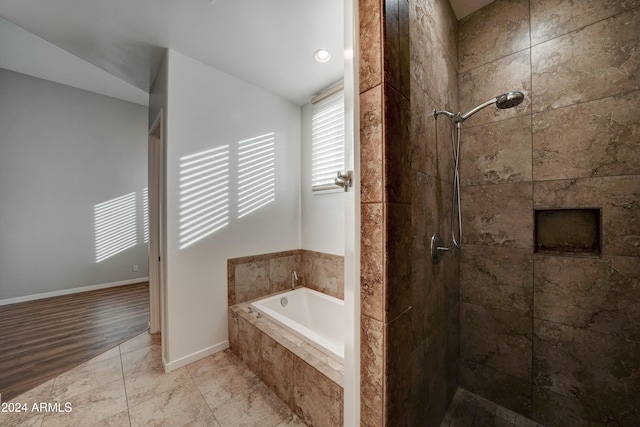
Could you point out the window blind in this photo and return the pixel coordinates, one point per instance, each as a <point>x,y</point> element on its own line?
<point>327,141</point>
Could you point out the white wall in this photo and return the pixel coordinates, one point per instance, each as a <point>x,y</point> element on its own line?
<point>62,151</point>
<point>322,214</point>
<point>207,108</point>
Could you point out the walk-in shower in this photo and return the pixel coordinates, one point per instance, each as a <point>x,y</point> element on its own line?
<point>502,102</point>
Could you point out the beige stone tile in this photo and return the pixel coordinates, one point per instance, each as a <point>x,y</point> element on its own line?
<point>595,62</point>
<point>250,345</point>
<point>251,280</point>
<point>292,421</point>
<point>493,32</point>
<point>213,363</point>
<point>141,359</point>
<point>277,369</point>
<point>86,377</point>
<point>91,407</point>
<point>257,406</point>
<point>142,340</point>
<point>35,421</point>
<point>318,401</point>
<point>208,420</point>
<point>224,382</point>
<point>175,407</point>
<point>551,18</point>
<point>118,420</point>
<point>114,352</point>
<point>142,386</point>
<point>280,269</point>
<point>596,138</point>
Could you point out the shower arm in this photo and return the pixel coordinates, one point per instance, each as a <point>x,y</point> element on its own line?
<point>461,117</point>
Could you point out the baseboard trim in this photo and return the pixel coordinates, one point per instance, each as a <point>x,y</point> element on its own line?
<point>72,291</point>
<point>184,361</point>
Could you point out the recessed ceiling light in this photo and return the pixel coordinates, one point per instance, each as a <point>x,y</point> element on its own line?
<point>322,55</point>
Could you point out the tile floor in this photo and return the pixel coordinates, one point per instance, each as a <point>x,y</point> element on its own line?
<point>127,386</point>
<point>470,410</point>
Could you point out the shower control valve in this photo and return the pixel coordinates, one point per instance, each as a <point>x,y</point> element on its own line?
<point>437,249</point>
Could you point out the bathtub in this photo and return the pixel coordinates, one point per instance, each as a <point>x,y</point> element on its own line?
<point>312,316</point>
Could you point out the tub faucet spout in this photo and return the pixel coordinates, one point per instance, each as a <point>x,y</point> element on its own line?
<point>294,277</point>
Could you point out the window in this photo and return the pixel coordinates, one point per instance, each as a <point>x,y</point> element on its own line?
<point>327,141</point>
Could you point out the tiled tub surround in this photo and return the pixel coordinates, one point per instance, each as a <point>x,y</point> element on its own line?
<point>257,276</point>
<point>305,379</point>
<point>560,341</point>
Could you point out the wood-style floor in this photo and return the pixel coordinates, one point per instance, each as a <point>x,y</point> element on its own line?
<point>41,339</point>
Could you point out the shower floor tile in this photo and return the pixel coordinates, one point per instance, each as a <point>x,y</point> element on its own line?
<point>470,410</point>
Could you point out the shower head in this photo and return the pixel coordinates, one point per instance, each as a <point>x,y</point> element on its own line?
<point>504,101</point>
<point>509,99</point>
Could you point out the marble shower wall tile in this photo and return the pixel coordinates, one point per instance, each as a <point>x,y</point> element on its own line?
<point>595,62</point>
<point>596,138</point>
<point>503,345</point>
<point>499,278</point>
<point>496,153</point>
<point>370,29</point>
<point>618,197</point>
<point>552,18</point>
<point>396,45</point>
<point>371,146</point>
<point>435,20</point>
<point>495,31</point>
<point>590,367</point>
<point>372,260</point>
<point>401,341</point>
<point>424,149</point>
<point>426,209</point>
<point>397,147</point>
<point>482,83</point>
<point>433,71</point>
<point>511,392</point>
<point>553,409</point>
<point>498,215</point>
<point>398,259</point>
<point>589,293</point>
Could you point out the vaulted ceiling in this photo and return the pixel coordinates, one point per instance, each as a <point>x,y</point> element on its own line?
<point>269,43</point>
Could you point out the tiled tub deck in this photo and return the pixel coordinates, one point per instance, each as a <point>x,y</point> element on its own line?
<point>305,379</point>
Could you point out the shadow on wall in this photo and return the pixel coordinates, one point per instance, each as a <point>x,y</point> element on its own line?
<point>205,184</point>
<point>116,225</point>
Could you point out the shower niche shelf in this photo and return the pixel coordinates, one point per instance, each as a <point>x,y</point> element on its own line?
<point>568,231</point>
